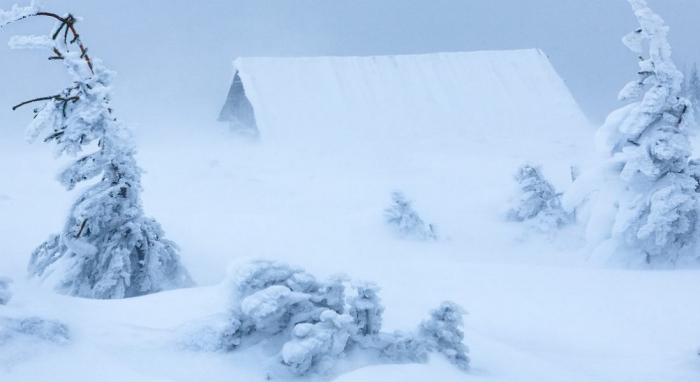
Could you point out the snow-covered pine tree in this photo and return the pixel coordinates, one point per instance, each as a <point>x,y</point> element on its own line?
<point>692,91</point>
<point>646,208</point>
<point>444,334</point>
<point>108,248</point>
<point>405,219</point>
<point>537,200</point>
<point>366,310</point>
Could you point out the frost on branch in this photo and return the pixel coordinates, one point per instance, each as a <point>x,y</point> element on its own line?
<point>402,217</point>
<point>312,324</point>
<point>107,248</point>
<point>536,201</point>
<point>646,189</point>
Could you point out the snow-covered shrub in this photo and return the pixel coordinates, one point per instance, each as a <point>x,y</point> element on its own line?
<point>274,308</point>
<point>107,248</point>
<point>646,206</point>
<point>443,333</point>
<point>536,200</point>
<point>5,291</point>
<point>257,275</point>
<point>211,334</point>
<point>272,297</point>
<point>405,220</point>
<point>233,332</point>
<point>33,329</point>
<point>366,310</point>
<point>280,305</point>
<point>23,338</point>
<point>316,346</point>
<point>332,293</point>
<point>273,300</point>
<point>402,347</point>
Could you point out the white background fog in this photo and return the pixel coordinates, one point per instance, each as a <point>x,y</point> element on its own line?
<point>174,57</point>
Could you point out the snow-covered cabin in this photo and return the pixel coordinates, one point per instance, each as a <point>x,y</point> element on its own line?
<point>332,96</point>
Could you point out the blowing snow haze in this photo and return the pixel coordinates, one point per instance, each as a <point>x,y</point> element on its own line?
<point>367,193</point>
<point>174,58</point>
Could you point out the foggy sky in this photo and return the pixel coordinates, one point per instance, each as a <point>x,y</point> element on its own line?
<point>174,57</point>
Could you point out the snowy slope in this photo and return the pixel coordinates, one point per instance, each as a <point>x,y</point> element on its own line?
<point>525,324</point>
<point>537,311</point>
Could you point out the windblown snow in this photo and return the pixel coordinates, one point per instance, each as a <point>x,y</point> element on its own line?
<point>337,137</point>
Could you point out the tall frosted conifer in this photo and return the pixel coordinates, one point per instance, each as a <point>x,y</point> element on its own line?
<point>107,248</point>
<point>646,206</point>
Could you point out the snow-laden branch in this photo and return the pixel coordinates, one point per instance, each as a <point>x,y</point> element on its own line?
<point>31,42</point>
<point>18,13</point>
<point>66,25</point>
<point>638,5</point>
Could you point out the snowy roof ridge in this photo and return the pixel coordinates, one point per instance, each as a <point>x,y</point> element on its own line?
<point>408,55</point>
<point>395,95</point>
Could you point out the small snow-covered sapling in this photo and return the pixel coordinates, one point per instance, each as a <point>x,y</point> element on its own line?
<point>406,221</point>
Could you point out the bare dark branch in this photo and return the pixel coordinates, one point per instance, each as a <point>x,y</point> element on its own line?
<point>35,100</point>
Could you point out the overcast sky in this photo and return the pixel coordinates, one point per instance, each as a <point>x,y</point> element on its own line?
<point>174,57</point>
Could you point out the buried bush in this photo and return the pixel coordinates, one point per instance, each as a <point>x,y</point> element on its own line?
<point>312,324</point>
<point>33,329</point>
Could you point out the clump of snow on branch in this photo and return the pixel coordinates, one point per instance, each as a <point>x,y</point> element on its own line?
<point>17,13</point>
<point>405,220</point>
<point>315,324</point>
<point>536,201</point>
<point>5,290</point>
<point>315,346</point>
<point>31,42</point>
<point>107,248</point>
<point>646,207</point>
